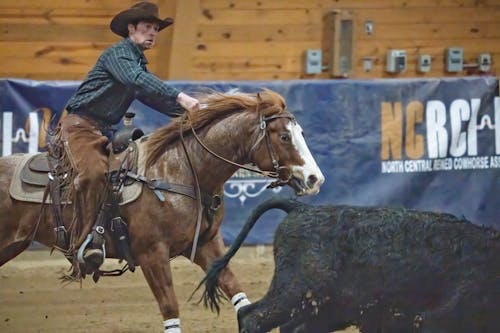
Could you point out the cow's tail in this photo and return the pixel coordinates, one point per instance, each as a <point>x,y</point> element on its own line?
<point>213,295</point>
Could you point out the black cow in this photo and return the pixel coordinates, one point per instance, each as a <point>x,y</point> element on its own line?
<point>381,269</point>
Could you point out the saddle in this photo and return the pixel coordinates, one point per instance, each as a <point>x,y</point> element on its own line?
<point>32,175</point>
<point>35,171</point>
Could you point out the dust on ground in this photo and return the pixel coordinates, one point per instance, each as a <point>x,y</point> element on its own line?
<point>33,300</point>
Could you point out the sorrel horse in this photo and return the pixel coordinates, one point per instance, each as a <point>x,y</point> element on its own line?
<point>230,130</point>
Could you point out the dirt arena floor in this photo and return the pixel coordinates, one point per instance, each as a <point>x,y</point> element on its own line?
<point>33,300</point>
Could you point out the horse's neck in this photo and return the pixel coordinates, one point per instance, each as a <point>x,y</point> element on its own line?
<point>227,138</point>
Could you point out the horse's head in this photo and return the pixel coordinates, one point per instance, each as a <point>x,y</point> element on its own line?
<point>281,147</point>
<point>269,135</point>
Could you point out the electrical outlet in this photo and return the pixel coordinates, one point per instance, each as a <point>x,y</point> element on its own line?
<point>424,63</point>
<point>484,62</point>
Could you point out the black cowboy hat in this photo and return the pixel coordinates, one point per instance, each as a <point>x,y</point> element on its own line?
<point>140,11</point>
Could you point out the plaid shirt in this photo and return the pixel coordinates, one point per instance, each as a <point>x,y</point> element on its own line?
<point>120,76</point>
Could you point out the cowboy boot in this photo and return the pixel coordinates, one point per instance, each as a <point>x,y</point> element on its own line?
<point>93,257</point>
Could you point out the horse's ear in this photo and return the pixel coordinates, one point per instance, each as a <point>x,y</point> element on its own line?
<point>259,101</point>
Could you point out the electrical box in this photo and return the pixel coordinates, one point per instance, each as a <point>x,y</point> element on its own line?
<point>313,61</point>
<point>396,61</point>
<point>424,63</point>
<point>454,59</point>
<point>484,62</point>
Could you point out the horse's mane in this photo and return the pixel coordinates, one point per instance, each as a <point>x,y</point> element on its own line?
<point>214,106</point>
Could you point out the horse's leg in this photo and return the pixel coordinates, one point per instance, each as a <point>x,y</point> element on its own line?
<point>18,226</point>
<point>155,265</point>
<point>227,281</point>
<point>10,245</point>
<point>12,250</point>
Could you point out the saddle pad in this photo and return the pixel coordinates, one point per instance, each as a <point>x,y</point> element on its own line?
<point>25,192</point>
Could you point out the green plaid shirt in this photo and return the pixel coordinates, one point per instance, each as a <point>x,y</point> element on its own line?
<point>120,76</point>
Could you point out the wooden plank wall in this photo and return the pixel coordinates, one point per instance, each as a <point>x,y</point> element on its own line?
<point>261,39</point>
<point>54,39</point>
<point>245,39</point>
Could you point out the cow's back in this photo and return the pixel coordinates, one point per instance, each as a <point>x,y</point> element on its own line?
<point>389,258</point>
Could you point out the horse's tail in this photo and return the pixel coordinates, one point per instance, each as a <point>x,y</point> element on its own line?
<point>213,295</point>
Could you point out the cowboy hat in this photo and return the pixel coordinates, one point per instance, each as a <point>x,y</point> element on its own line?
<point>140,11</point>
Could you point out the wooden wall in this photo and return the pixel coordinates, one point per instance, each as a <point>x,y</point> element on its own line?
<point>54,39</point>
<point>246,39</point>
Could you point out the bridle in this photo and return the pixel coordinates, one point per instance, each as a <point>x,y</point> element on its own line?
<point>282,174</point>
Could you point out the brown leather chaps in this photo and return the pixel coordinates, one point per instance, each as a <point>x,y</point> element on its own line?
<point>86,147</point>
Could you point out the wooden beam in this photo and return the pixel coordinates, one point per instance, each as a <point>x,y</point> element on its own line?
<point>183,40</point>
<point>164,40</point>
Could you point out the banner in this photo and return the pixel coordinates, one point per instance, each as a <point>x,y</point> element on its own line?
<point>426,144</point>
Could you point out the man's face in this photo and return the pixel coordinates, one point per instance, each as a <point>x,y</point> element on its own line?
<point>144,34</point>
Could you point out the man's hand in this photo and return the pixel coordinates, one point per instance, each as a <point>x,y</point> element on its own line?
<point>187,102</point>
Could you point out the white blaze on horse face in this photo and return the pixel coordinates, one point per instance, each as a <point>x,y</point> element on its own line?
<point>309,173</point>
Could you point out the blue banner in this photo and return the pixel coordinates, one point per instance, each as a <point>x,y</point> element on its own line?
<point>427,144</point>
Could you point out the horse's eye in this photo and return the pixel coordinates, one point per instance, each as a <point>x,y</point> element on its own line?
<point>285,137</point>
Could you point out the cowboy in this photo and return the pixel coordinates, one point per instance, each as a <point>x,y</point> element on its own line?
<point>118,78</point>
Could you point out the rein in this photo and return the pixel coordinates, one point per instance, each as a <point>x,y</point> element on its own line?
<point>198,194</point>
